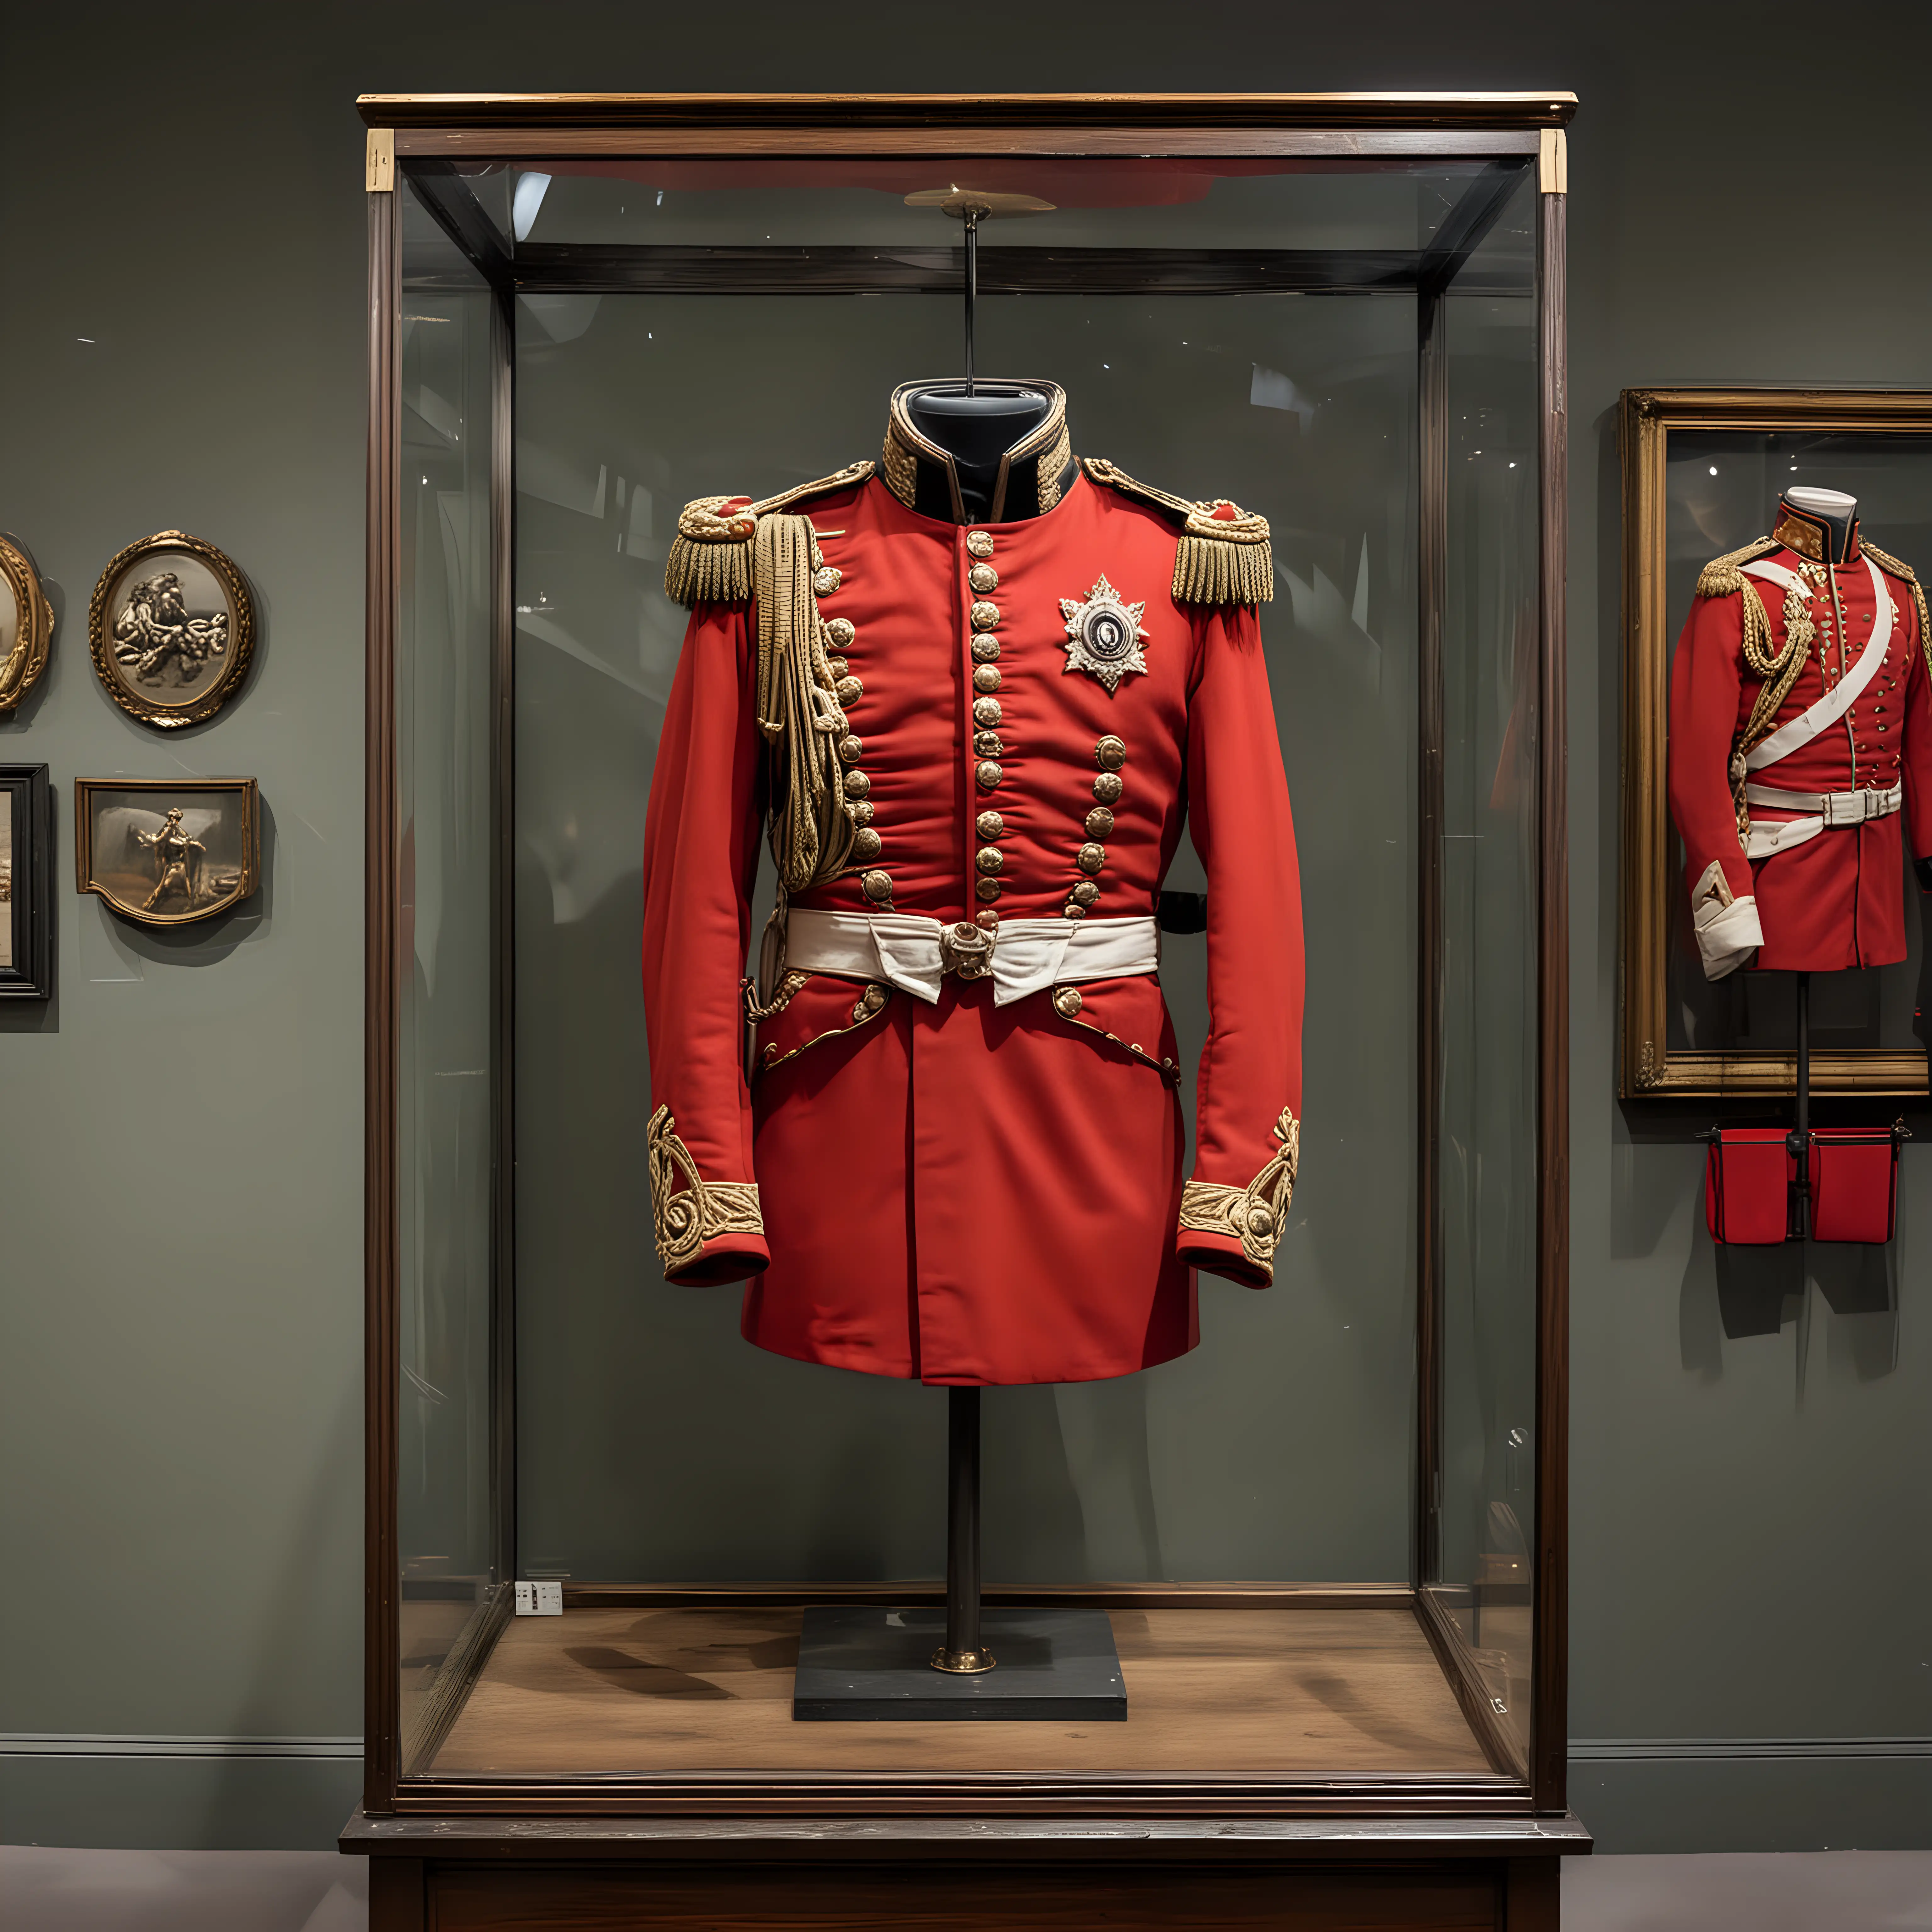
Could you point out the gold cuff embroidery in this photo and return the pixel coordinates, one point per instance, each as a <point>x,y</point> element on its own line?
<point>702,1210</point>
<point>1254,1215</point>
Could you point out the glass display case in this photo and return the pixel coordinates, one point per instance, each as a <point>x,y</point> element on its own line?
<point>1329,1540</point>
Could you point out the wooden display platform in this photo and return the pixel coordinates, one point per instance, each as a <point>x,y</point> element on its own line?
<point>597,1692</point>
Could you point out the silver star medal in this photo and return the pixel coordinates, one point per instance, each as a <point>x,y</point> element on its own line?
<point>1104,634</point>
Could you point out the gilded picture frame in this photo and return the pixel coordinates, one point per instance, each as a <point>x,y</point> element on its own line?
<point>167,851</point>
<point>171,627</point>
<point>1656,426</point>
<point>26,875</point>
<point>26,624</point>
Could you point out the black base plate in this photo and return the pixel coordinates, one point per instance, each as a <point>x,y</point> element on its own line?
<point>860,1661</point>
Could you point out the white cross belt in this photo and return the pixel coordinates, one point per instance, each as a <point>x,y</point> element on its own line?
<point>915,953</point>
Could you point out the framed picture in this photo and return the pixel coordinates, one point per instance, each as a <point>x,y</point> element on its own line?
<point>172,628</point>
<point>1702,470</point>
<point>26,906</point>
<point>167,851</point>
<point>26,624</point>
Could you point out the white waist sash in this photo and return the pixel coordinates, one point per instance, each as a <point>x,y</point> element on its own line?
<point>1823,809</point>
<point>1839,699</point>
<point>904,949</point>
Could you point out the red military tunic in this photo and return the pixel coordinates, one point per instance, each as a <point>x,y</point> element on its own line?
<point>1790,815</point>
<point>944,1167</point>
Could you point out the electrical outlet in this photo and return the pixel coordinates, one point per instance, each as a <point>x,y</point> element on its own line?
<point>540,1599</point>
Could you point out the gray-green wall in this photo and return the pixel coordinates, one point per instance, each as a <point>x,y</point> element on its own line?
<point>179,1198</point>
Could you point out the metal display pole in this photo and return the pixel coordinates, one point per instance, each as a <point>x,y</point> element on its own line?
<point>1799,1142</point>
<point>962,1653</point>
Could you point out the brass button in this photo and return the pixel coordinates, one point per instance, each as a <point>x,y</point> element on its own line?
<point>840,632</point>
<point>1067,1002</point>
<point>988,745</point>
<point>1085,893</point>
<point>1261,1223</point>
<point>990,825</point>
<point>1099,823</point>
<point>1108,788</point>
<point>985,648</point>
<point>869,1003</point>
<point>988,773</point>
<point>989,858</point>
<point>857,784</point>
<point>985,713</point>
<point>985,616</point>
<point>987,922</point>
<point>851,749</point>
<point>985,677</point>
<point>849,690</point>
<point>826,579</point>
<point>865,844</point>
<point>859,812</point>
<point>877,886</point>
<point>979,543</point>
<point>987,889</point>
<point>1110,754</point>
<point>983,577</point>
<point>1074,910</point>
<point>840,666</point>
<point>1092,858</point>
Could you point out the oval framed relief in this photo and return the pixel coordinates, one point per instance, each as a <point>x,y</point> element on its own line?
<point>172,628</point>
<point>26,624</point>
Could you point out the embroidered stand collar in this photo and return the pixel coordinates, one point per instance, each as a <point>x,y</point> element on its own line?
<point>1811,536</point>
<point>1033,477</point>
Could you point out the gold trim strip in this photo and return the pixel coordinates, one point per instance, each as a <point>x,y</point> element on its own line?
<point>685,1219</point>
<point>1552,162</point>
<point>379,164</point>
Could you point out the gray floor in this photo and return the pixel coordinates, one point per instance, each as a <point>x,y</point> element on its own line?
<point>44,1889</point>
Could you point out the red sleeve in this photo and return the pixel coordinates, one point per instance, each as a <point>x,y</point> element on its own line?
<point>700,859</point>
<point>1706,679</point>
<point>1247,1122</point>
<point>1915,753</point>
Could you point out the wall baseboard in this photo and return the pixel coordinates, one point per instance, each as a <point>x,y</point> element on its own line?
<point>1753,1794</point>
<point>158,1793</point>
<point>104,1744</point>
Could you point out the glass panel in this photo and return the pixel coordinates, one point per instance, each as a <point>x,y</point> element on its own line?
<point>1488,995</point>
<point>446,1042</point>
<point>1203,204</point>
<point>627,406</point>
<point>1721,490</point>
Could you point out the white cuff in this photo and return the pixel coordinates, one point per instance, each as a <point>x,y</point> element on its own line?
<point>1728,932</point>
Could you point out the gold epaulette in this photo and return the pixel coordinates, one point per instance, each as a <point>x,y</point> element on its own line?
<point>1224,556</point>
<point>1721,577</point>
<point>710,560</point>
<point>1892,567</point>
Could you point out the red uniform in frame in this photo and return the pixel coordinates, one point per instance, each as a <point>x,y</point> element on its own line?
<point>1801,738</point>
<point>958,1157</point>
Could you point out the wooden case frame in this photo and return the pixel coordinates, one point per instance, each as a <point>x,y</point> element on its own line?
<point>430,137</point>
<point>1649,1067</point>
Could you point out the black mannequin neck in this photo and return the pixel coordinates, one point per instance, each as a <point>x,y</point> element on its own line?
<point>1835,525</point>
<point>977,430</point>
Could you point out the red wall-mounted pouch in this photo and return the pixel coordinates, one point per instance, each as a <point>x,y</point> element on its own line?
<point>1747,1178</point>
<point>1854,1179</point>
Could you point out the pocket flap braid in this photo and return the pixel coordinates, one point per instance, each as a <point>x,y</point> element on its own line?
<point>799,711</point>
<point>1224,557</point>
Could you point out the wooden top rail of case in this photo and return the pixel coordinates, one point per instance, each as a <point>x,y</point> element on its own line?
<point>854,112</point>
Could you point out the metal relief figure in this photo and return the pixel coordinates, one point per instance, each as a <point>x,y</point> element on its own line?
<point>177,860</point>
<point>155,636</point>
